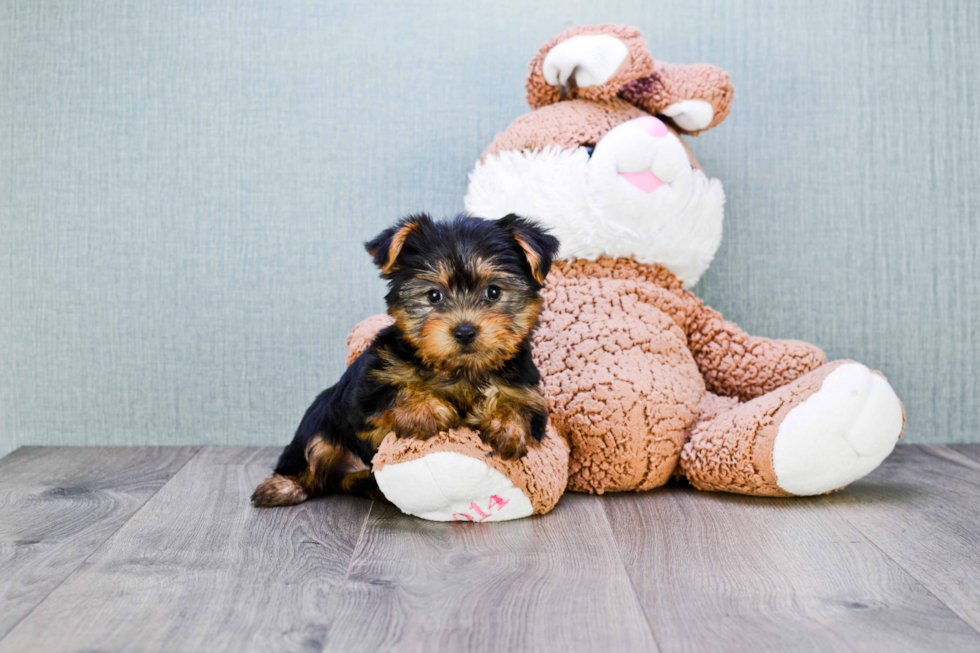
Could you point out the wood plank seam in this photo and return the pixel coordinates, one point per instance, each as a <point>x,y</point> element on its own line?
<point>908,573</point>
<point>358,546</point>
<point>626,572</point>
<point>81,563</point>
<point>953,457</point>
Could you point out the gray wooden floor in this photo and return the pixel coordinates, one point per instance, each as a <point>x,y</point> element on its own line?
<point>157,549</point>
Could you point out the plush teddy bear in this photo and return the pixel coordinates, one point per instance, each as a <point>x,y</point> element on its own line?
<point>644,382</point>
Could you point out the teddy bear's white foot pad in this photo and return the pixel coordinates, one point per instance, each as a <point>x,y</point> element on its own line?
<point>838,434</point>
<point>450,486</point>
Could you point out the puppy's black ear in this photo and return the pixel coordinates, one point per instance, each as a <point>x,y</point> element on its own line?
<point>539,246</point>
<point>386,246</point>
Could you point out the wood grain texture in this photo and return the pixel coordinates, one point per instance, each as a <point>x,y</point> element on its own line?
<point>971,451</point>
<point>922,508</point>
<point>58,505</point>
<point>725,572</point>
<point>551,583</point>
<point>201,569</point>
<point>888,564</point>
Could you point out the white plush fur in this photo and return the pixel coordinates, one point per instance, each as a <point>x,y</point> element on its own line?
<point>692,115</point>
<point>449,486</point>
<point>593,57</point>
<point>838,434</point>
<point>594,212</point>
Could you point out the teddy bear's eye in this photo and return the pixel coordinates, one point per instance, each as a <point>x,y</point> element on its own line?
<point>434,296</point>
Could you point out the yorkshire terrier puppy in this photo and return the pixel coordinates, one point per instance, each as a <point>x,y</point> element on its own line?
<point>465,297</point>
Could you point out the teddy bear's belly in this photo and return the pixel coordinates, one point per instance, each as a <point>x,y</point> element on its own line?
<point>621,382</point>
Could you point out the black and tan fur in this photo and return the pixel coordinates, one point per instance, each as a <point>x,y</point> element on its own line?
<point>465,297</point>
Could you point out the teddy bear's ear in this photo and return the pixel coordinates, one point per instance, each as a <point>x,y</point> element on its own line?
<point>386,246</point>
<point>693,98</point>
<point>589,62</point>
<point>538,245</point>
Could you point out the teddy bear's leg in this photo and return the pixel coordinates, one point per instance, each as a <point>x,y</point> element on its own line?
<point>819,433</point>
<point>621,384</point>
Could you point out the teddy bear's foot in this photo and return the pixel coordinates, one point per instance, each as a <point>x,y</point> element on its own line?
<point>450,486</point>
<point>839,434</point>
<point>454,476</point>
<point>817,434</point>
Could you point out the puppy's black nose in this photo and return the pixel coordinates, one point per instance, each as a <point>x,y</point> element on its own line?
<point>464,334</point>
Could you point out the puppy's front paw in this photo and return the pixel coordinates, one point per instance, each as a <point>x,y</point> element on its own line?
<point>422,417</point>
<point>418,430</point>
<point>508,434</point>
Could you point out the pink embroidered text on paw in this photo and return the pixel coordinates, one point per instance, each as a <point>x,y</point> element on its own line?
<point>494,504</point>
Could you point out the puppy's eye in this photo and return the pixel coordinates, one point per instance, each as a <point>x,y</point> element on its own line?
<point>434,296</point>
<point>492,293</point>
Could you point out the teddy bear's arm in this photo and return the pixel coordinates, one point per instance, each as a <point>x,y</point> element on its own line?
<point>362,335</point>
<point>591,62</point>
<point>735,364</point>
<point>695,97</point>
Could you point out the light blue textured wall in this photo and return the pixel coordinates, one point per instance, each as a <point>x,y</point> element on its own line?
<point>184,188</point>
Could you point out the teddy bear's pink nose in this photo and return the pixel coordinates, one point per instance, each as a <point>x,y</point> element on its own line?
<point>645,180</point>
<point>652,126</point>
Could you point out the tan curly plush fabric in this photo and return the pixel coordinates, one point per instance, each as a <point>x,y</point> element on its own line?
<point>626,355</point>
<point>638,63</point>
<point>640,80</point>
<point>362,335</point>
<point>739,365</point>
<point>569,125</point>
<point>732,452</point>
<point>672,83</point>
<point>713,405</point>
<point>566,125</point>
<point>542,474</point>
<point>621,381</point>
